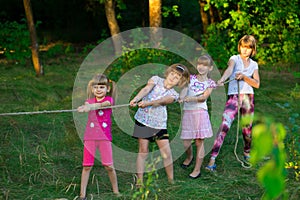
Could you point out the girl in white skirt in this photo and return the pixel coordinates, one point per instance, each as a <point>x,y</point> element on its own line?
<point>195,122</point>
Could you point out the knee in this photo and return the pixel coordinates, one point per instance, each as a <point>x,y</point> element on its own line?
<point>186,145</point>
<point>87,168</point>
<point>109,168</point>
<point>143,152</point>
<point>166,155</point>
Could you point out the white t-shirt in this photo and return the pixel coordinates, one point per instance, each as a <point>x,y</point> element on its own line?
<point>196,88</point>
<point>155,117</point>
<point>245,88</point>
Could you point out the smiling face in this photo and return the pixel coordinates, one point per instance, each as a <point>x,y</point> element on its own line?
<point>99,91</point>
<point>203,69</point>
<point>204,65</point>
<point>98,87</point>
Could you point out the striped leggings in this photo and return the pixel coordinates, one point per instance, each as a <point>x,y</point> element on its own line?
<point>229,114</point>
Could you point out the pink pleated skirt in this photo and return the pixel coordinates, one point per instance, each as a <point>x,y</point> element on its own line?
<point>196,125</point>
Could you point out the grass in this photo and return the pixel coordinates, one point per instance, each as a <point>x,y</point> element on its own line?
<point>41,155</point>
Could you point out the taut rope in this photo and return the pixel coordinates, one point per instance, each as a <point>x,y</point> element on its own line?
<point>56,111</point>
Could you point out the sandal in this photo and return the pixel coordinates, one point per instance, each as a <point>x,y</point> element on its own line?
<point>247,158</point>
<point>211,168</point>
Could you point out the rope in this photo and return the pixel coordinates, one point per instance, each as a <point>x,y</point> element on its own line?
<point>229,81</point>
<point>57,111</point>
<point>248,165</point>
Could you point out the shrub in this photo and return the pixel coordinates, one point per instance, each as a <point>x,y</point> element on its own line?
<point>15,41</point>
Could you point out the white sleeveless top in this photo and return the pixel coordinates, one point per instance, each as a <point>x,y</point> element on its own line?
<point>245,88</point>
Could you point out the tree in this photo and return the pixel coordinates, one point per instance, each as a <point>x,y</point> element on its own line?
<point>155,20</point>
<point>34,44</point>
<point>275,25</point>
<point>204,15</point>
<point>113,24</point>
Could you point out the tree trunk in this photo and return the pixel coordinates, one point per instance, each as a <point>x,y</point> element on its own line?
<point>155,21</point>
<point>113,25</point>
<point>204,16</point>
<point>34,44</point>
<point>211,14</point>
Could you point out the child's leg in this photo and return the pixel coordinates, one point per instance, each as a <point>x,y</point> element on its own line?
<point>84,180</point>
<point>188,151</point>
<point>140,161</point>
<point>113,178</point>
<point>88,161</point>
<point>199,157</point>
<point>165,151</point>
<point>229,114</point>
<point>247,110</point>
<point>105,150</point>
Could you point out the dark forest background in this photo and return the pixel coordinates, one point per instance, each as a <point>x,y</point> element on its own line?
<point>217,25</point>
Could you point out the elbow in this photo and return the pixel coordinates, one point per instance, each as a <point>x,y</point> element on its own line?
<point>257,85</point>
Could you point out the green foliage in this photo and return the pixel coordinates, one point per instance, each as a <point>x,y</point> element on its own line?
<point>295,93</point>
<point>56,50</point>
<point>268,140</point>
<point>275,25</point>
<point>293,138</point>
<point>167,10</point>
<point>217,46</point>
<point>151,188</point>
<point>15,41</point>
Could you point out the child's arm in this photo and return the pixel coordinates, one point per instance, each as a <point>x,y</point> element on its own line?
<point>159,102</point>
<point>95,106</point>
<point>227,73</point>
<point>143,92</point>
<point>254,81</point>
<point>200,98</point>
<point>183,94</point>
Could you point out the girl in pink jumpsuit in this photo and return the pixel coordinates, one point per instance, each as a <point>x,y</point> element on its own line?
<point>98,131</point>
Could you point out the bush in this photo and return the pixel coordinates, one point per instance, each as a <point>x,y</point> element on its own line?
<point>15,41</point>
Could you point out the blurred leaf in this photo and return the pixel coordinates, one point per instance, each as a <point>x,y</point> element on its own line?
<point>271,179</point>
<point>263,141</point>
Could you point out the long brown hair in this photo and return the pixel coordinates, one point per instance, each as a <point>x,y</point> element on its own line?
<point>101,79</point>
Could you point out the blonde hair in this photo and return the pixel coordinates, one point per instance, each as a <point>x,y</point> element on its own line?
<point>248,41</point>
<point>206,60</point>
<point>181,70</point>
<point>100,79</point>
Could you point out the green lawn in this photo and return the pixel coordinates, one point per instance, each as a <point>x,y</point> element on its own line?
<point>41,155</point>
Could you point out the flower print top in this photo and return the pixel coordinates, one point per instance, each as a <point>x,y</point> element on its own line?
<point>155,117</point>
<point>245,88</point>
<point>99,122</point>
<point>196,88</point>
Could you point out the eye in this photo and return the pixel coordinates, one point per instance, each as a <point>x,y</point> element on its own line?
<point>99,87</point>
